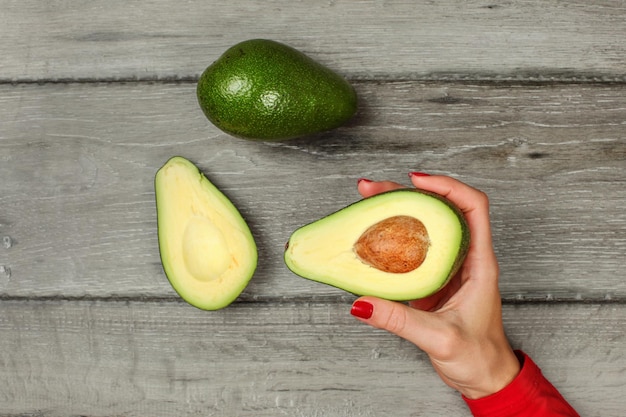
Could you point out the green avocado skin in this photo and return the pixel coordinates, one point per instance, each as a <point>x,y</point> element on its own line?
<point>264,90</point>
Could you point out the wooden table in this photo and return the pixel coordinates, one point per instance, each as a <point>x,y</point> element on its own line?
<point>525,100</point>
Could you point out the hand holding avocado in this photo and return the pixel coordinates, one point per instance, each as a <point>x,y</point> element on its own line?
<point>459,327</point>
<point>402,244</point>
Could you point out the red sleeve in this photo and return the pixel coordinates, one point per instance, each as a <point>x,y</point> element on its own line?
<point>529,394</point>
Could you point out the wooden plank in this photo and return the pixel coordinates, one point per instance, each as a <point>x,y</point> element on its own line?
<point>77,161</point>
<point>530,40</point>
<point>63,358</point>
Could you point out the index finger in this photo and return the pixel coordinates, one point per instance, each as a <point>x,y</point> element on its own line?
<point>369,188</point>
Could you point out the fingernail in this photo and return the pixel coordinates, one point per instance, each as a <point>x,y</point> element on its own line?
<point>418,174</point>
<point>365,180</point>
<point>362,309</point>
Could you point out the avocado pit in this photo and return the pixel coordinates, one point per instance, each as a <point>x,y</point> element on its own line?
<point>397,244</point>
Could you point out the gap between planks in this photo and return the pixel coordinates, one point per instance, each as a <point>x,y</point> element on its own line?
<point>518,79</point>
<point>312,300</point>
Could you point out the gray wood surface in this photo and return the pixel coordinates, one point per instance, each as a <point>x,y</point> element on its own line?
<point>523,99</point>
<point>296,359</point>
<point>78,198</point>
<point>540,40</point>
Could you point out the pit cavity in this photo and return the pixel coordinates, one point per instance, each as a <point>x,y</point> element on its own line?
<point>205,249</point>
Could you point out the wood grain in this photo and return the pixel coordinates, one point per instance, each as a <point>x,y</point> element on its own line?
<point>525,100</point>
<point>77,163</point>
<point>158,39</point>
<point>62,358</point>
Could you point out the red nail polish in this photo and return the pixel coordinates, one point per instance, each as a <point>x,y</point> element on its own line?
<point>418,174</point>
<point>362,309</point>
<point>365,180</point>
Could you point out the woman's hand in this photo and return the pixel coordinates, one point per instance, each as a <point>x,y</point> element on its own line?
<point>459,327</point>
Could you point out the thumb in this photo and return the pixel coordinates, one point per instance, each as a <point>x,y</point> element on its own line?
<point>421,328</point>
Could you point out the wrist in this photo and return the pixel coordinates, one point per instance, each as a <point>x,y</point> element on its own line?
<point>497,374</point>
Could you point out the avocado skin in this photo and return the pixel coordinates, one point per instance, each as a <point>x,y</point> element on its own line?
<point>264,90</point>
<point>464,245</point>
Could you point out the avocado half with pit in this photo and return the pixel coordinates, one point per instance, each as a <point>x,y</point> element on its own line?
<point>207,250</point>
<point>400,245</point>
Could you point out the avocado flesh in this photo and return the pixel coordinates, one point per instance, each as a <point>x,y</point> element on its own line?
<point>324,250</point>
<point>261,89</point>
<point>207,250</point>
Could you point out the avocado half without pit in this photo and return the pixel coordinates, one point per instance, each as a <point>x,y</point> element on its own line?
<point>207,250</point>
<point>400,245</point>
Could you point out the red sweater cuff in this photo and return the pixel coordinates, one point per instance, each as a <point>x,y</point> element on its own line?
<point>529,394</point>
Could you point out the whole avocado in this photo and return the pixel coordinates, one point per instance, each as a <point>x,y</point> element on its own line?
<point>264,90</point>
